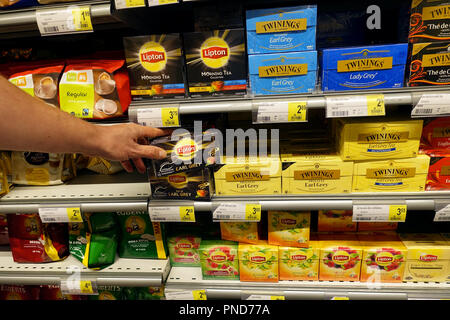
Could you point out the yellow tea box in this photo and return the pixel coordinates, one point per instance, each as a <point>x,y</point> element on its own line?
<point>258,262</point>
<point>336,221</point>
<point>299,263</point>
<point>240,231</point>
<point>316,173</point>
<point>289,228</point>
<point>428,257</point>
<point>391,175</point>
<point>359,139</point>
<point>248,176</point>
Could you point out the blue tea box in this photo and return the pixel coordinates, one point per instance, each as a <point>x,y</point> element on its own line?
<point>359,68</point>
<point>281,29</point>
<point>283,73</point>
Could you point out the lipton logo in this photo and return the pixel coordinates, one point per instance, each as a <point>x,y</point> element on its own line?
<point>177,179</point>
<point>220,257</point>
<point>281,25</point>
<point>391,173</point>
<point>153,56</point>
<point>436,12</point>
<point>340,258</point>
<point>436,60</point>
<point>257,259</point>
<point>186,150</point>
<point>184,246</point>
<point>383,137</point>
<point>214,52</point>
<point>384,259</point>
<point>298,257</point>
<point>283,70</point>
<point>246,176</point>
<point>364,64</point>
<point>288,221</point>
<point>428,258</point>
<point>317,174</point>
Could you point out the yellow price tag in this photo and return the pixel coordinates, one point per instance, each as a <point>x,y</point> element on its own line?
<point>135,3</point>
<point>397,213</point>
<point>297,111</point>
<point>199,294</point>
<point>375,105</point>
<point>277,298</point>
<point>82,18</point>
<point>253,212</point>
<point>86,287</point>
<point>74,215</point>
<point>340,298</point>
<point>187,214</point>
<point>169,116</point>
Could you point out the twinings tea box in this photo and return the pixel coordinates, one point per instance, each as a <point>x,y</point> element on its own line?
<point>183,251</point>
<point>336,221</point>
<point>191,185</point>
<point>438,174</point>
<point>429,64</point>
<point>299,263</point>
<point>288,228</point>
<point>285,29</point>
<point>283,73</point>
<point>340,259</point>
<point>316,173</point>
<point>429,21</point>
<point>359,68</point>
<point>219,259</point>
<point>216,62</point>
<point>436,133</point>
<point>258,262</point>
<point>359,139</point>
<point>248,176</point>
<point>428,257</point>
<point>377,226</point>
<point>155,65</point>
<point>240,231</point>
<point>408,174</point>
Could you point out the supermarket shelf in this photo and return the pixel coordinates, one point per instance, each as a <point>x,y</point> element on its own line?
<point>400,96</point>
<point>191,279</point>
<point>92,192</point>
<point>124,272</point>
<point>414,201</point>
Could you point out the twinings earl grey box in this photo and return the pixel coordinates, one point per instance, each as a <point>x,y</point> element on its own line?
<point>283,73</point>
<point>278,30</point>
<point>359,68</point>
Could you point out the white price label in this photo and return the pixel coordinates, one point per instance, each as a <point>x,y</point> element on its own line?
<point>79,287</point>
<point>123,4</point>
<point>355,106</point>
<point>442,214</point>
<point>432,105</point>
<point>276,112</point>
<point>158,117</point>
<point>172,214</point>
<point>265,297</point>
<point>186,295</point>
<point>379,213</point>
<point>58,215</point>
<point>237,212</point>
<point>71,19</point>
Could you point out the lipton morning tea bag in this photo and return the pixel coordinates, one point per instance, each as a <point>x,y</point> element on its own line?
<point>429,21</point>
<point>299,263</point>
<point>289,228</point>
<point>219,259</point>
<point>184,250</point>
<point>241,231</point>
<point>258,262</point>
<point>336,221</point>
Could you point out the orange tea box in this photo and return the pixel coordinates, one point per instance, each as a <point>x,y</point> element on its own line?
<point>258,262</point>
<point>299,263</point>
<point>289,228</point>
<point>377,226</point>
<point>336,221</point>
<point>240,231</point>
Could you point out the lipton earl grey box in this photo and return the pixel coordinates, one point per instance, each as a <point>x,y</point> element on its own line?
<point>283,73</point>
<point>429,21</point>
<point>360,68</point>
<point>430,64</point>
<point>155,66</point>
<point>216,62</point>
<point>278,30</point>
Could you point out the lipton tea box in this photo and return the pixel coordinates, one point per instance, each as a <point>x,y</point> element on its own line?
<point>240,231</point>
<point>436,134</point>
<point>408,174</point>
<point>258,262</point>
<point>377,226</point>
<point>430,64</point>
<point>359,139</point>
<point>289,228</point>
<point>283,73</point>
<point>316,173</point>
<point>359,68</point>
<point>336,221</point>
<point>278,30</point>
<point>248,176</point>
<point>155,66</point>
<point>219,259</point>
<point>216,62</point>
<point>340,259</point>
<point>429,21</point>
<point>428,257</point>
<point>299,263</point>
<point>183,251</point>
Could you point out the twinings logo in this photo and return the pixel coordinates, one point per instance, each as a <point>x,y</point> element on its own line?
<point>288,221</point>
<point>445,171</point>
<point>281,25</point>
<point>441,132</point>
<point>258,259</point>
<point>391,173</point>
<point>364,64</point>
<point>177,179</point>
<point>436,60</point>
<point>382,137</point>
<point>428,258</point>
<point>436,12</point>
<point>153,56</point>
<point>283,70</point>
<point>214,53</point>
<point>298,257</point>
<point>246,176</point>
<point>317,174</point>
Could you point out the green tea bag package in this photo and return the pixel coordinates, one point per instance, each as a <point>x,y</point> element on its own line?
<point>139,237</point>
<point>108,293</point>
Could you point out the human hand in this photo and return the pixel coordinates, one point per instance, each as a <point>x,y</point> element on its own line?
<point>123,142</point>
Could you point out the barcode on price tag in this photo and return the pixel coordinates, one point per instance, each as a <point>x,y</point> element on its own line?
<point>442,214</point>
<point>79,287</point>
<point>379,213</point>
<point>172,214</point>
<point>355,106</point>
<point>432,105</point>
<point>58,215</point>
<point>279,112</point>
<point>237,212</point>
<point>123,4</point>
<point>159,117</point>
<point>71,19</point>
<point>186,295</point>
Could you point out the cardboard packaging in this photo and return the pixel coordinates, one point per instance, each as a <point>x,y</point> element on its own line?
<point>377,226</point>
<point>183,251</point>
<point>438,177</point>
<point>429,21</point>
<point>289,228</point>
<point>278,30</point>
<point>336,221</point>
<point>283,73</point>
<point>258,262</point>
<point>240,231</point>
<point>155,66</point>
<point>407,175</point>
<point>219,259</point>
<point>299,263</point>
<point>436,134</point>
<point>430,64</point>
